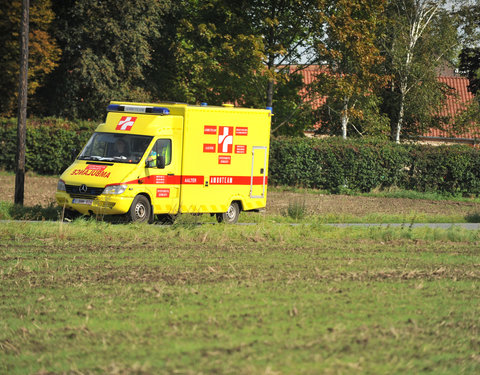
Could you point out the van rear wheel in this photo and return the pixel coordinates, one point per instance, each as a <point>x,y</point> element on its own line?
<point>140,210</point>
<point>231,216</point>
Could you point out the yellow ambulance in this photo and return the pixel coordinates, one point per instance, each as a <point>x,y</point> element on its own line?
<point>152,161</point>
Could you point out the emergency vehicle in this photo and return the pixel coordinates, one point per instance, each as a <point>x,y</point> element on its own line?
<point>160,160</point>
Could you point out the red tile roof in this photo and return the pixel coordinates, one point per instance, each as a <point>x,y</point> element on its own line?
<point>454,104</point>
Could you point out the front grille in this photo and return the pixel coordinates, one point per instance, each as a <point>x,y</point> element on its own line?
<point>75,192</point>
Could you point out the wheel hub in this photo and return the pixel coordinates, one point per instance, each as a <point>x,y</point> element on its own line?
<point>140,210</point>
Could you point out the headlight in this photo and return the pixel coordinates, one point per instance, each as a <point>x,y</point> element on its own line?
<point>61,186</point>
<point>114,189</point>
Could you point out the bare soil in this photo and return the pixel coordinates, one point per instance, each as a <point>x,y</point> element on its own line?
<point>40,190</point>
<point>320,204</point>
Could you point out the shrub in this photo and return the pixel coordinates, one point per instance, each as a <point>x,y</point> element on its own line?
<point>51,144</point>
<point>338,165</point>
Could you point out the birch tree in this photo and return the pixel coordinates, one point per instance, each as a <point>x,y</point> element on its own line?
<point>419,40</point>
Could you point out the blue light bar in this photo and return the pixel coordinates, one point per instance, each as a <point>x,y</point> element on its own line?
<point>161,110</point>
<point>114,108</point>
<point>137,109</point>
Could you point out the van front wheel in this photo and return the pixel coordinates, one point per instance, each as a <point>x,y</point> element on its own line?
<point>231,216</point>
<point>140,210</point>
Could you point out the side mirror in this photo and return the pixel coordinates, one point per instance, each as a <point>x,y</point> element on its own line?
<point>160,162</point>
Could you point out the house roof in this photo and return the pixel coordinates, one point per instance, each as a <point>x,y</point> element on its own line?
<point>455,103</point>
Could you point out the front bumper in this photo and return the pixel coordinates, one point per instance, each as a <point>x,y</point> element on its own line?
<point>98,205</point>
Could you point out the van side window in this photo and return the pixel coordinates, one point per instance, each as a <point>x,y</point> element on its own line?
<point>163,147</point>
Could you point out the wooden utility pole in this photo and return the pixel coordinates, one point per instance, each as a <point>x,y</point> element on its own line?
<point>22,105</point>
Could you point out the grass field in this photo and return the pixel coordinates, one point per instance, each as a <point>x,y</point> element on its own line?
<point>92,297</point>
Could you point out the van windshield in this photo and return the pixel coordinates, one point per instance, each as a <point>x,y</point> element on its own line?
<point>119,148</point>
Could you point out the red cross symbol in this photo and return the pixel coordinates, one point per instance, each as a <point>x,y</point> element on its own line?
<point>126,123</point>
<point>225,139</point>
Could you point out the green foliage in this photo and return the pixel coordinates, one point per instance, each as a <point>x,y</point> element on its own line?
<point>351,53</point>
<point>445,169</point>
<point>238,52</point>
<point>361,165</point>
<point>9,211</point>
<point>470,64</point>
<point>296,210</point>
<point>51,144</point>
<point>292,112</point>
<point>44,52</point>
<point>106,53</point>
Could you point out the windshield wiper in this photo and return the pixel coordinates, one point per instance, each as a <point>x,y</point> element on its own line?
<point>95,157</point>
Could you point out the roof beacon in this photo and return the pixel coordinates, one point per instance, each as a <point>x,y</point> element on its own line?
<point>138,109</point>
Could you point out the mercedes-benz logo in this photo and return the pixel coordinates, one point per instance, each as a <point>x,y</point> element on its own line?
<point>83,188</point>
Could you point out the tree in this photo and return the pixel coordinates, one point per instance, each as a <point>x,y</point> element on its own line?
<point>286,28</point>
<point>469,19</point>
<point>419,37</point>
<point>239,51</point>
<point>106,53</point>
<point>210,57</point>
<point>470,66</point>
<point>351,55</point>
<point>470,62</point>
<point>44,51</point>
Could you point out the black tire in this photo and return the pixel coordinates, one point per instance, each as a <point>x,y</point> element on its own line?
<point>231,216</point>
<point>70,215</point>
<point>140,210</point>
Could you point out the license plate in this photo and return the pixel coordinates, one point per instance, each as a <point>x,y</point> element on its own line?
<point>82,201</point>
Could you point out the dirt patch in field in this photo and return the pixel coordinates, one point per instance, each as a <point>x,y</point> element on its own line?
<point>40,190</point>
<point>319,204</point>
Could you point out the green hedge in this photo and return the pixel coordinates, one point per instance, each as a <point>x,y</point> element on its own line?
<point>361,165</point>
<point>51,144</point>
<point>331,164</point>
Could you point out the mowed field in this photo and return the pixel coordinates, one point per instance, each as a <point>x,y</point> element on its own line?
<point>92,297</point>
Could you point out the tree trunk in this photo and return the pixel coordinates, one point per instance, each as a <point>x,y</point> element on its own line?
<point>399,122</point>
<point>344,118</point>
<point>22,105</point>
<point>401,112</point>
<point>270,86</point>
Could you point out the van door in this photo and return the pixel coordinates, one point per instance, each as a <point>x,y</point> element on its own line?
<point>164,175</point>
<point>258,174</point>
